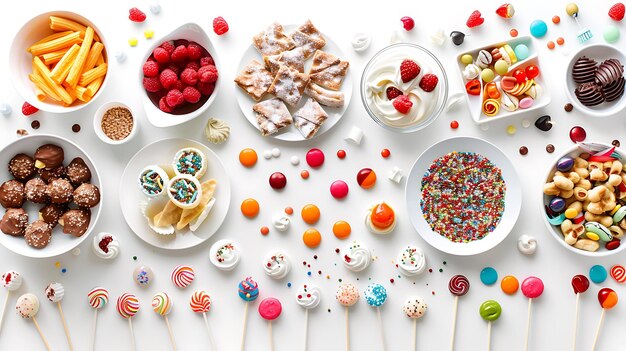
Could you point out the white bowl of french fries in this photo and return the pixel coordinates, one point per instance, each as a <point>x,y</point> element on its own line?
<point>59,62</point>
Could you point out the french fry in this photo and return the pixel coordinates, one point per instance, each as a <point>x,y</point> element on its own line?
<point>41,96</point>
<point>100,60</point>
<point>60,24</point>
<point>44,72</point>
<point>40,86</point>
<point>62,69</point>
<point>94,86</point>
<point>77,67</point>
<point>92,75</point>
<point>53,57</point>
<point>55,44</point>
<point>92,57</point>
<point>54,36</point>
<point>82,94</point>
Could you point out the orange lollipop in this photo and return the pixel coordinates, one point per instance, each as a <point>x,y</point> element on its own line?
<point>312,238</point>
<point>310,214</point>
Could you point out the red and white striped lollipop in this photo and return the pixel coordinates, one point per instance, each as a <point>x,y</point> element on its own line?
<point>182,276</point>
<point>128,306</point>
<point>200,302</point>
<point>618,272</point>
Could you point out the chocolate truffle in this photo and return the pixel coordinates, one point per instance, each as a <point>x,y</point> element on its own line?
<point>584,70</point>
<point>87,195</point>
<point>609,71</point>
<point>38,234</point>
<point>60,191</point>
<point>589,94</point>
<point>12,194</point>
<point>49,156</point>
<point>78,172</point>
<point>51,213</point>
<point>14,222</point>
<point>75,222</point>
<point>22,167</point>
<point>614,90</point>
<point>54,173</point>
<point>35,190</point>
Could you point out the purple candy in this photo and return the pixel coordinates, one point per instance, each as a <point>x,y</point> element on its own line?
<point>557,204</point>
<point>565,164</point>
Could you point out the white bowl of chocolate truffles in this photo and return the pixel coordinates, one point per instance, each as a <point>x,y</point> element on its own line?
<point>50,194</point>
<point>595,80</point>
<point>114,123</point>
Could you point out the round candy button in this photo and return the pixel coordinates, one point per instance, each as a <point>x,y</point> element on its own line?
<point>250,208</point>
<point>270,308</point>
<point>532,287</point>
<point>577,134</point>
<point>509,285</point>
<point>488,276</point>
<point>522,52</point>
<point>366,178</point>
<point>248,157</point>
<point>342,229</point>
<point>312,238</point>
<point>538,28</point>
<point>339,189</point>
<point>278,181</point>
<point>598,274</point>
<point>315,158</point>
<point>310,214</point>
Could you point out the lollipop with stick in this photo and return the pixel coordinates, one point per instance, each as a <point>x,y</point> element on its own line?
<point>11,280</point>
<point>200,302</point>
<point>98,297</point>
<point>55,293</point>
<point>458,286</point>
<point>490,310</point>
<point>162,304</point>
<point>27,306</point>
<point>608,299</point>
<point>127,307</point>
<point>415,308</point>
<point>376,296</point>
<point>308,297</point>
<point>532,288</point>
<point>580,283</point>
<point>270,308</point>
<point>347,295</point>
<point>248,291</point>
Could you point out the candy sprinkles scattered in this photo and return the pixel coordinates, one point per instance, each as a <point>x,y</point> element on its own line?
<point>463,196</point>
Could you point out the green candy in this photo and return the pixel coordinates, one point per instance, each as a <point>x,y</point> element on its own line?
<point>611,34</point>
<point>490,310</point>
<point>487,75</point>
<point>501,67</point>
<point>467,59</point>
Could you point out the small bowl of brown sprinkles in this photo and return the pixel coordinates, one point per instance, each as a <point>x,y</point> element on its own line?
<point>114,123</point>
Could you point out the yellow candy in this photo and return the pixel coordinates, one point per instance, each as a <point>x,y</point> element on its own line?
<point>57,264</point>
<point>592,236</point>
<point>467,59</point>
<point>491,107</point>
<point>615,209</point>
<point>572,9</point>
<point>571,213</point>
<point>511,130</point>
<point>149,33</point>
<point>133,41</point>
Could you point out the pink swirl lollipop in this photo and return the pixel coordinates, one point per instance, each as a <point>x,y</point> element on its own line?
<point>162,304</point>
<point>532,288</point>
<point>128,306</point>
<point>182,276</point>
<point>270,308</point>
<point>98,298</point>
<point>200,302</point>
<point>459,285</point>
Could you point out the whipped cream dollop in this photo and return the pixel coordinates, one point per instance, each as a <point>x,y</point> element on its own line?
<point>276,264</point>
<point>281,221</point>
<point>361,41</point>
<point>106,246</point>
<point>527,244</point>
<point>411,261</point>
<point>308,296</point>
<point>225,254</point>
<point>356,257</point>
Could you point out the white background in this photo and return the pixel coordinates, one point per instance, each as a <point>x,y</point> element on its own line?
<point>552,313</point>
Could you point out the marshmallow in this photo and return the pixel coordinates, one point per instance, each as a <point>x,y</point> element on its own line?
<point>438,38</point>
<point>355,135</point>
<point>5,109</point>
<point>395,175</point>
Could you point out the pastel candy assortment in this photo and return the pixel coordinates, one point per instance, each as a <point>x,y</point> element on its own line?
<point>532,287</point>
<point>270,308</point>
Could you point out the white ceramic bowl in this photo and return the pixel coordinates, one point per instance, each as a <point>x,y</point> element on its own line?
<point>598,52</point>
<point>512,197</point>
<point>21,61</point>
<point>97,123</point>
<point>60,243</point>
<point>191,32</point>
<point>555,231</point>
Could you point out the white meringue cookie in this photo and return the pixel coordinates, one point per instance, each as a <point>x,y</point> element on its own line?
<point>411,261</point>
<point>471,71</point>
<point>361,41</point>
<point>276,264</point>
<point>527,244</point>
<point>308,296</point>
<point>225,254</point>
<point>55,292</point>
<point>108,250</point>
<point>357,257</point>
<point>281,221</point>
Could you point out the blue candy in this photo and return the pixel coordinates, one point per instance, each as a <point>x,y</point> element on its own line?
<point>557,204</point>
<point>522,52</point>
<point>538,28</point>
<point>488,276</point>
<point>564,164</point>
<point>597,274</point>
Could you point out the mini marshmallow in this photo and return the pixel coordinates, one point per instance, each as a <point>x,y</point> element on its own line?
<point>120,56</point>
<point>155,8</point>
<point>355,136</point>
<point>275,152</point>
<point>267,154</point>
<point>361,41</point>
<point>5,109</point>
<point>295,160</point>
<point>438,38</point>
<point>395,175</point>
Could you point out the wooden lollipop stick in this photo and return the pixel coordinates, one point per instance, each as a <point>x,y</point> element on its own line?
<point>489,336</point>
<point>454,309</point>
<point>381,327</point>
<point>4,308</point>
<point>208,328</point>
<point>576,320</point>
<point>306,328</point>
<point>132,334</point>
<point>530,309</point>
<point>414,334</point>
<point>169,330</point>
<point>93,329</point>
<point>43,338</point>
<point>67,331</point>
<point>347,330</point>
<point>245,322</point>
<point>595,340</point>
<point>269,330</point>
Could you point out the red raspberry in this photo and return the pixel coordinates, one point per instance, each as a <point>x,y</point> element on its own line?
<point>136,15</point>
<point>475,20</point>
<point>393,92</point>
<point>180,54</point>
<point>207,74</point>
<point>161,55</point>
<point>220,26</point>
<point>163,106</point>
<point>429,82</point>
<point>194,51</point>
<point>402,104</point>
<point>28,109</point>
<point>168,78</point>
<point>616,11</point>
<point>168,46</point>
<point>152,84</point>
<point>189,76</point>
<point>191,95</point>
<point>179,85</point>
<point>409,69</point>
<point>207,60</point>
<point>206,89</point>
<point>193,65</point>
<point>175,68</point>
<point>150,69</point>
<point>174,98</point>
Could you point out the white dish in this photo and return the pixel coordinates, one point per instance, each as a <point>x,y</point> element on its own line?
<point>290,133</point>
<point>512,198</point>
<point>475,102</point>
<point>191,32</point>
<point>97,123</point>
<point>598,52</point>
<point>60,242</point>
<point>159,153</point>
<point>21,61</point>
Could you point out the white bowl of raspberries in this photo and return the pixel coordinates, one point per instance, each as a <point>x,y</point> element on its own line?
<point>180,76</point>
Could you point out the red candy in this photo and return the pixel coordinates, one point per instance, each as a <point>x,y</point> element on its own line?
<point>454,124</point>
<point>520,75</point>
<point>612,245</point>
<point>339,189</point>
<point>385,153</point>
<point>607,298</point>
<point>278,181</point>
<point>532,71</point>
<point>475,19</point>
<point>28,109</point>
<point>315,158</point>
<point>341,154</point>
<point>366,178</point>
<point>136,15</point>
<point>407,23</point>
<point>580,283</point>
<point>577,134</point>
<point>473,87</point>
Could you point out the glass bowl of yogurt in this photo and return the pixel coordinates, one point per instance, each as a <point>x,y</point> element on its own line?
<point>382,83</point>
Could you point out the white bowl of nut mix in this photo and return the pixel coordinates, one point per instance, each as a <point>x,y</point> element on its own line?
<point>114,123</point>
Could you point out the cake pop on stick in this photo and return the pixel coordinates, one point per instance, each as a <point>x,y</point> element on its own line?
<point>459,285</point>
<point>580,283</point>
<point>248,291</point>
<point>200,302</point>
<point>308,297</point>
<point>270,308</point>
<point>532,288</point>
<point>55,293</point>
<point>12,281</point>
<point>347,295</point>
<point>376,296</point>
<point>27,306</point>
<point>490,310</point>
<point>128,306</point>
<point>608,299</point>
<point>162,304</point>
<point>415,308</point>
<point>98,297</point>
